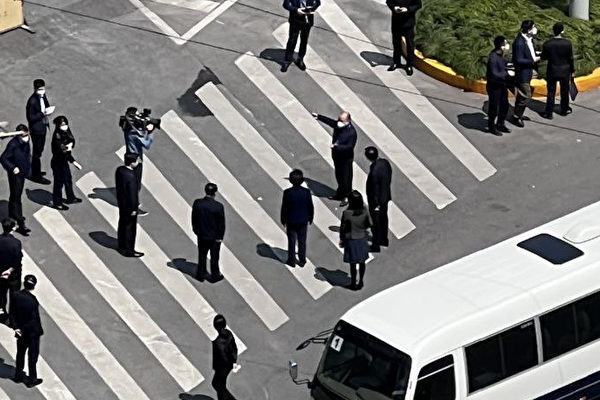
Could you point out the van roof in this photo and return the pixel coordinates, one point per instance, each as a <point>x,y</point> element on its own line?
<point>480,294</point>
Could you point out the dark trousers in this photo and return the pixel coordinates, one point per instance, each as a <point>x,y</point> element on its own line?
<point>15,207</point>
<point>126,231</point>
<point>38,142</point>
<point>380,225</point>
<point>296,29</point>
<point>343,175</point>
<point>523,97</point>
<point>409,36</point>
<point>362,268</point>
<point>138,174</point>
<point>296,232</point>
<point>219,383</point>
<point>8,287</point>
<point>62,177</point>
<point>564,93</point>
<point>204,246</point>
<point>31,345</point>
<point>497,105</point>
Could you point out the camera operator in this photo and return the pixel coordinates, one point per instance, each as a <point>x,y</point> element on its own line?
<point>139,135</point>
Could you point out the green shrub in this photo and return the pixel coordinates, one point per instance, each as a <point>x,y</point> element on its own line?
<point>460,33</point>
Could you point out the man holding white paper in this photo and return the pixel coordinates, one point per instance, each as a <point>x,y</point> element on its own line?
<point>301,20</point>
<point>38,109</point>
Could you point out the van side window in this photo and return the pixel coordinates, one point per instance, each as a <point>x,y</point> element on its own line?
<point>436,380</point>
<point>501,356</point>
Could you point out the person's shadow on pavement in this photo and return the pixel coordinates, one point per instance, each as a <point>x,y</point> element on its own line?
<point>185,396</point>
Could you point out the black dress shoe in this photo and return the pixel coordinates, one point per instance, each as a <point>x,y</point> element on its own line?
<point>517,122</point>
<point>360,285</point>
<point>392,67</point>
<point>19,378</point>
<point>300,64</point>
<point>409,71</point>
<point>61,207</point>
<point>202,277</point>
<point>43,173</point>
<point>23,230</point>
<point>142,213</point>
<point>351,286</point>
<point>216,278</point>
<point>335,197</point>
<point>566,112</point>
<point>34,382</point>
<point>291,263</point>
<point>502,128</point>
<point>302,263</point>
<point>40,179</point>
<point>132,254</point>
<point>344,203</point>
<point>73,200</point>
<point>385,243</point>
<point>285,66</point>
<point>546,115</point>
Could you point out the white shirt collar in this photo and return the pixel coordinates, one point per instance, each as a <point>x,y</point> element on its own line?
<point>529,41</point>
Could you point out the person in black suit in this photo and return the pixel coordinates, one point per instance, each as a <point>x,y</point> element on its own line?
<point>208,223</point>
<point>297,211</point>
<point>16,160</point>
<point>497,76</point>
<point>62,146</point>
<point>11,256</point>
<point>524,58</point>
<point>559,53</point>
<point>37,111</point>
<point>403,26</point>
<point>342,152</point>
<point>301,20</point>
<point>25,320</point>
<point>225,354</point>
<point>127,199</point>
<point>379,193</point>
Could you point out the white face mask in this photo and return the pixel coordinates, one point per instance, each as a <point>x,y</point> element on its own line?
<point>340,124</point>
<point>25,139</point>
<point>534,31</point>
<point>41,92</point>
<point>64,127</point>
<point>506,47</point>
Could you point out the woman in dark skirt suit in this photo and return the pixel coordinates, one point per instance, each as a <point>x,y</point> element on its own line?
<point>62,145</point>
<point>353,237</point>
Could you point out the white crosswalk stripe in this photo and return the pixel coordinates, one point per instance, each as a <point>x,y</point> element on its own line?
<point>3,395</point>
<point>310,129</point>
<point>373,127</point>
<point>117,296</point>
<point>237,275</point>
<point>156,260</point>
<point>406,92</point>
<point>82,337</point>
<point>196,5</point>
<point>235,194</point>
<point>52,388</point>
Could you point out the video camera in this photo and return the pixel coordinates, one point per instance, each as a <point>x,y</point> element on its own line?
<point>138,121</point>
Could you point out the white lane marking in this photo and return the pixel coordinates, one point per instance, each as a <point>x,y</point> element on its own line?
<point>156,261</point>
<point>109,287</point>
<point>406,92</point>
<point>82,337</point>
<point>237,275</point>
<point>3,395</point>
<point>224,6</point>
<point>158,21</point>
<point>373,127</point>
<point>52,388</point>
<point>197,5</point>
<point>235,194</point>
<point>310,129</point>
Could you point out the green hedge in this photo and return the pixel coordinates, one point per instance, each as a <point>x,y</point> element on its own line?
<point>460,33</point>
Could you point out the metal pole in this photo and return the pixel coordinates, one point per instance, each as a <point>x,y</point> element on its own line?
<point>579,9</point>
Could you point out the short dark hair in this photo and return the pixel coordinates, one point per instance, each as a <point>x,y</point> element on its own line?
<point>296,177</point>
<point>355,201</point>
<point>38,83</point>
<point>371,153</point>
<point>8,224</point>
<point>210,189</point>
<point>29,282</point>
<point>22,127</point>
<point>130,158</point>
<point>558,28</point>
<point>219,322</point>
<point>526,25</point>
<point>60,119</point>
<point>499,42</point>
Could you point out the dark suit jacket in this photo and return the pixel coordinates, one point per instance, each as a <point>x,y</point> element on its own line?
<point>496,72</point>
<point>208,219</point>
<point>37,121</point>
<point>559,53</point>
<point>11,255</point>
<point>127,190</point>
<point>297,206</point>
<point>293,5</point>
<point>17,154</point>
<point>379,182</point>
<point>522,60</point>
<point>224,351</point>
<point>25,313</point>
<point>343,138</point>
<point>405,20</point>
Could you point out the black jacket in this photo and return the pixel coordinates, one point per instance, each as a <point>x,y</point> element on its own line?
<point>297,206</point>
<point>208,219</point>
<point>60,140</point>
<point>293,5</point>
<point>522,60</point>
<point>37,121</point>
<point>224,351</point>
<point>559,53</point>
<point>344,138</point>
<point>379,182</point>
<point>17,154</point>
<point>25,314</point>
<point>127,189</point>
<point>496,73</point>
<point>11,255</point>
<point>405,20</point>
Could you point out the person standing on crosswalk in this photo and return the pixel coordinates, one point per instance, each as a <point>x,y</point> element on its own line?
<point>379,193</point>
<point>127,198</point>
<point>38,109</point>
<point>62,146</point>
<point>297,211</point>
<point>208,223</point>
<point>225,354</point>
<point>353,238</point>
<point>25,320</point>
<point>342,152</point>
<point>11,257</point>
<point>403,26</point>
<point>16,160</point>
<point>301,20</point>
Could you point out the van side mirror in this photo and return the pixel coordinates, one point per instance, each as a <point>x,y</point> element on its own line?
<point>293,368</point>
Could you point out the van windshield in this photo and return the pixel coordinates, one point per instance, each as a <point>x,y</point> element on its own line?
<point>358,366</point>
